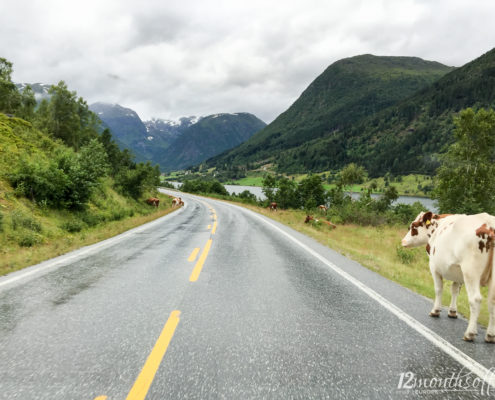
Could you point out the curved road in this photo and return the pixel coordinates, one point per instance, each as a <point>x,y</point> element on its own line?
<point>216,302</point>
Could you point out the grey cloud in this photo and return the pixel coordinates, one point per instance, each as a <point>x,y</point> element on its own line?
<point>170,59</point>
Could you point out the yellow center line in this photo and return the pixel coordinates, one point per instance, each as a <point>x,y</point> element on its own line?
<point>209,227</point>
<point>214,228</point>
<point>199,264</point>
<point>145,378</point>
<point>101,398</point>
<point>193,255</point>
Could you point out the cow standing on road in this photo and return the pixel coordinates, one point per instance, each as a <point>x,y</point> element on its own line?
<point>461,250</point>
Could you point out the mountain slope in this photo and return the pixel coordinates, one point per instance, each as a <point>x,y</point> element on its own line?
<point>176,144</point>
<point>347,92</point>
<point>208,137</point>
<point>408,136</point>
<point>127,128</point>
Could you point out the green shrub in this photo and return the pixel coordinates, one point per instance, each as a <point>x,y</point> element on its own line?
<point>90,219</point>
<point>20,220</point>
<point>28,239</point>
<point>73,226</point>
<point>405,256</point>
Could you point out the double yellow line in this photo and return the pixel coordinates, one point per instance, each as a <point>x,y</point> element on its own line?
<point>204,254</point>
<point>143,382</point>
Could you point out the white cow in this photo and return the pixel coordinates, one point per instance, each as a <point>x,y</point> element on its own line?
<point>461,250</point>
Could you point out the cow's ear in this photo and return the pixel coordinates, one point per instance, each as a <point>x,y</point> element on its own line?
<point>427,216</point>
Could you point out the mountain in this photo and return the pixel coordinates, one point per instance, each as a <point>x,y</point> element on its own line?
<point>176,144</point>
<point>167,128</point>
<point>409,136</point>
<point>312,133</point>
<point>208,137</point>
<point>40,90</point>
<point>127,128</point>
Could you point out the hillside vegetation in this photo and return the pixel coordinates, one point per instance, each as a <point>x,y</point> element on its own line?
<point>62,183</point>
<point>312,133</point>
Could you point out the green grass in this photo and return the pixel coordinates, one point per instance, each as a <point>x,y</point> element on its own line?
<point>248,181</point>
<point>30,234</point>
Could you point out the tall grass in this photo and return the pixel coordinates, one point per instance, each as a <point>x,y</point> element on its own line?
<point>30,233</point>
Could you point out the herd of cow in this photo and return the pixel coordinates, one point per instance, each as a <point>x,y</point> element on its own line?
<point>176,202</point>
<point>460,249</point>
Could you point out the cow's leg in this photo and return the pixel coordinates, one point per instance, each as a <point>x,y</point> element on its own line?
<point>490,332</point>
<point>454,290</point>
<point>474,297</point>
<point>438,282</point>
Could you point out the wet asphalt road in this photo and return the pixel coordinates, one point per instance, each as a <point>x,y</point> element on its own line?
<point>264,319</point>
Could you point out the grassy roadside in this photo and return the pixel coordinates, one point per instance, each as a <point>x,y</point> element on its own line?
<point>56,240</point>
<point>377,248</point>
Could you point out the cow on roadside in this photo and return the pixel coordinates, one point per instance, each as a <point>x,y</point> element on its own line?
<point>153,201</point>
<point>460,248</point>
<point>177,202</point>
<point>273,206</point>
<point>311,218</point>
<point>323,208</point>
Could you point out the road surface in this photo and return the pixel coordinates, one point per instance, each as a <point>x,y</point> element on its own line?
<point>216,302</point>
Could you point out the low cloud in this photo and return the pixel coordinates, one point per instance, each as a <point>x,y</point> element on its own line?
<point>196,58</point>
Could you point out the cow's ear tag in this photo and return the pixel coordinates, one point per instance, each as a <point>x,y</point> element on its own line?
<point>428,222</point>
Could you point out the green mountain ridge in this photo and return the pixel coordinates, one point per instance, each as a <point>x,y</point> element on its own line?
<point>315,132</point>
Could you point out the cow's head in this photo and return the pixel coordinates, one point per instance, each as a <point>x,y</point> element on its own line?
<point>420,230</point>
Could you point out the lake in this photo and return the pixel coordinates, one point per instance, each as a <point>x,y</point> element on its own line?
<point>428,203</point>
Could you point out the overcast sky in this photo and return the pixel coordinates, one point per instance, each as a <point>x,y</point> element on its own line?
<point>170,59</point>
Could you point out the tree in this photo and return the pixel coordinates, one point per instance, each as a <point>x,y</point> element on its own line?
<point>10,98</point>
<point>466,178</point>
<point>67,117</point>
<point>311,192</point>
<point>352,174</point>
<point>27,104</point>
<point>269,183</point>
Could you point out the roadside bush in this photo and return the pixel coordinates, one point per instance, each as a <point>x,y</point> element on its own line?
<point>135,181</point>
<point>90,218</point>
<point>28,239</point>
<point>405,256</point>
<point>20,220</point>
<point>73,226</point>
<point>198,186</point>
<point>405,213</point>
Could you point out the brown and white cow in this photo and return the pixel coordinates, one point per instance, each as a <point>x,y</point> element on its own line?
<point>323,208</point>
<point>177,202</point>
<point>461,250</point>
<point>273,206</point>
<point>311,218</point>
<point>153,201</point>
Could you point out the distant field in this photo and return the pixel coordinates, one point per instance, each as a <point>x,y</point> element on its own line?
<point>410,185</point>
<point>248,181</point>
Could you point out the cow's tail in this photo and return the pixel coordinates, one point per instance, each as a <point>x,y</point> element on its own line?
<point>487,276</point>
